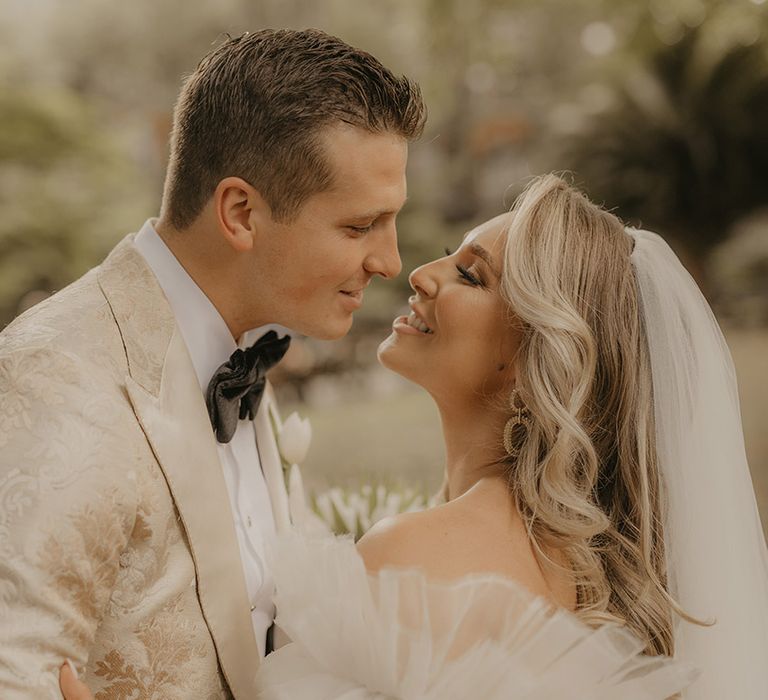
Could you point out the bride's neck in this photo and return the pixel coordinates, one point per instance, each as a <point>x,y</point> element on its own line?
<point>473,445</point>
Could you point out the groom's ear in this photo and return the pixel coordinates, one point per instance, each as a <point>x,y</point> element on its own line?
<point>240,210</point>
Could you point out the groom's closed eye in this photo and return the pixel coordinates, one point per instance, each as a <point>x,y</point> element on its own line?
<point>365,228</point>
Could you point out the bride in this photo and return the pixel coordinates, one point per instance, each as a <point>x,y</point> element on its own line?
<point>599,536</point>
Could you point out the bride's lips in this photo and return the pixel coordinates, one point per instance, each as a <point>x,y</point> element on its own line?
<point>400,325</point>
<point>405,324</point>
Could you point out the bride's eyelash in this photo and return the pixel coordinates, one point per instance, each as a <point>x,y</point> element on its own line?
<point>468,276</point>
<point>464,273</point>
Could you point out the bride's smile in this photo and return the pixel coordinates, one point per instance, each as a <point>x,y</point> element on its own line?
<point>413,323</point>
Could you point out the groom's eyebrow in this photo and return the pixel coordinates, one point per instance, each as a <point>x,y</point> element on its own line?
<point>379,212</point>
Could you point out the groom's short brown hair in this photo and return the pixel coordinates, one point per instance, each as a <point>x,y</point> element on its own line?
<point>255,105</point>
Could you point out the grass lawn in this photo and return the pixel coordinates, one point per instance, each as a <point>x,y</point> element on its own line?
<point>391,440</point>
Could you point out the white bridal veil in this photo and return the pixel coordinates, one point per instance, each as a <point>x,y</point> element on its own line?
<point>716,551</point>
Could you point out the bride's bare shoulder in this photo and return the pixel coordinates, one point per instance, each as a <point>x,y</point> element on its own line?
<point>446,542</point>
<point>408,540</point>
<point>480,532</point>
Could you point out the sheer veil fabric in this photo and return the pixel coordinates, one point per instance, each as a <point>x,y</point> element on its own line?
<point>716,552</point>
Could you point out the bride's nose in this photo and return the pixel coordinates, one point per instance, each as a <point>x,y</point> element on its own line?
<point>423,282</point>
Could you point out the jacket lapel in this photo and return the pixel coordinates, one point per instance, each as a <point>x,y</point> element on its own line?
<point>165,393</point>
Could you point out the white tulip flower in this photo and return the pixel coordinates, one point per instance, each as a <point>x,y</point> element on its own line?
<point>356,511</point>
<point>294,438</point>
<point>296,499</point>
<point>325,507</point>
<point>302,516</point>
<point>346,512</point>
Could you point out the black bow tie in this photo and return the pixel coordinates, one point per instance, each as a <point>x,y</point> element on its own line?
<point>238,385</point>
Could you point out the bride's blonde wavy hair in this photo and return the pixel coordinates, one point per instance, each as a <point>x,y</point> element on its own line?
<point>586,480</point>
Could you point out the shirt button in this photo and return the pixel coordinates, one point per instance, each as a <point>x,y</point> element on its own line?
<point>249,521</point>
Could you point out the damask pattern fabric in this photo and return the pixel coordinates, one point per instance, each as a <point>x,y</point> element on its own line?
<point>95,564</point>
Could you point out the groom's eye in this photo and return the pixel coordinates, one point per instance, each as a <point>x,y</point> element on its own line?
<point>362,229</point>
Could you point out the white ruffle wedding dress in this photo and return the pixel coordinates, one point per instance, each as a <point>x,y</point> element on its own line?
<point>357,636</point>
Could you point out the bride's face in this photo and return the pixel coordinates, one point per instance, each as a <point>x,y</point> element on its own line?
<point>458,341</point>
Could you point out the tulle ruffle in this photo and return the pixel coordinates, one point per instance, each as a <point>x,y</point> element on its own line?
<point>398,635</point>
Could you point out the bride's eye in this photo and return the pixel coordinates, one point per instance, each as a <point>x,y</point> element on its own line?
<point>468,276</point>
<point>448,252</point>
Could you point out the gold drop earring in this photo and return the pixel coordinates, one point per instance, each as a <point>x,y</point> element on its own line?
<point>520,421</point>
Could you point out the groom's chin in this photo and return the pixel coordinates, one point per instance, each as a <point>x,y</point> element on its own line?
<point>331,330</point>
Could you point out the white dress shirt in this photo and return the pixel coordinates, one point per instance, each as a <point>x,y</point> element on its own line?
<point>210,344</point>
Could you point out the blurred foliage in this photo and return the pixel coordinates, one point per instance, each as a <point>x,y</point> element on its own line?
<point>657,106</point>
<point>683,149</point>
<point>61,179</point>
<point>740,265</point>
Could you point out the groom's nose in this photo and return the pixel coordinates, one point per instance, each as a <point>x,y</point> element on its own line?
<point>384,258</point>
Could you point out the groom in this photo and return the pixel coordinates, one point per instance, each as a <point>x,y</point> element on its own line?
<point>135,491</point>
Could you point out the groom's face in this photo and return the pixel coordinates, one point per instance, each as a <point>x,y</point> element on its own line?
<point>317,266</point>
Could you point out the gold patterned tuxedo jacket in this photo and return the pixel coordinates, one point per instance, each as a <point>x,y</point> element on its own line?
<point>117,544</point>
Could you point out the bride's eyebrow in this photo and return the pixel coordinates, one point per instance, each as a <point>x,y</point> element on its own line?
<point>483,254</point>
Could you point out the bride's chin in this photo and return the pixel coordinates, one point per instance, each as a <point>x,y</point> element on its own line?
<point>387,351</point>
<point>394,358</point>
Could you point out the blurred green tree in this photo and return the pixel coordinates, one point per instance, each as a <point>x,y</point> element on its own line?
<point>684,149</point>
<point>61,181</point>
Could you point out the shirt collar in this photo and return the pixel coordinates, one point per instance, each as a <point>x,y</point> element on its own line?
<point>205,332</point>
